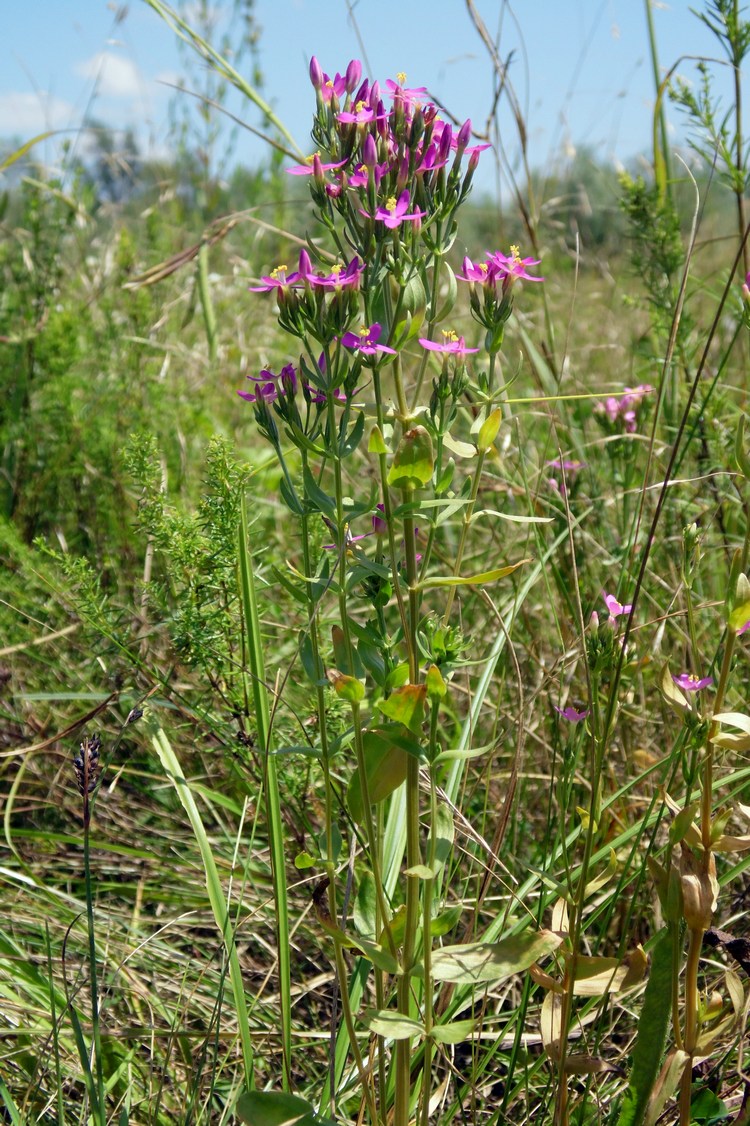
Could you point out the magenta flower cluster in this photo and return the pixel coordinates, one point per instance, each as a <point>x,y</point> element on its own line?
<point>622,412</point>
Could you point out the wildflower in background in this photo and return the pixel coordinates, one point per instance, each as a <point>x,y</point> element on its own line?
<point>366,341</point>
<point>485,273</point>
<point>689,682</point>
<point>571,714</point>
<point>569,468</point>
<point>616,609</point>
<point>746,289</point>
<point>395,212</point>
<point>277,279</point>
<point>625,409</point>
<point>451,344</point>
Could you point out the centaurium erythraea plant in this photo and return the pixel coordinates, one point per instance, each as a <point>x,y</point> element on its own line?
<point>386,179</point>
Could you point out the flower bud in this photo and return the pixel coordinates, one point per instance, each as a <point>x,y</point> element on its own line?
<point>363,93</point>
<point>353,75</point>
<point>316,73</point>
<point>445,143</point>
<point>464,135</point>
<point>374,96</point>
<point>369,152</point>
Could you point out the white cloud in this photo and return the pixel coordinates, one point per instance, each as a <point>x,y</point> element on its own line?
<point>28,113</point>
<point>115,76</point>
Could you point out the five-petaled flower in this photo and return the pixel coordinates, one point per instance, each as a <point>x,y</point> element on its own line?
<point>277,279</point>
<point>396,211</point>
<point>571,714</point>
<point>366,341</point>
<point>451,343</point>
<point>270,386</point>
<point>616,608</point>
<point>340,277</point>
<point>513,266</point>
<point>689,682</point>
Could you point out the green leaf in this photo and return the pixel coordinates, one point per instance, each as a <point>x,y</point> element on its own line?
<point>274,1108</point>
<point>313,492</point>
<point>365,906</point>
<point>473,580</point>
<point>376,444</point>
<point>394,1025</point>
<point>350,441</point>
<point>454,1033</point>
<point>304,860</point>
<point>385,765</point>
<point>739,616</point>
<point>652,1033</point>
<point>488,430</point>
<point>406,706</point>
<point>414,460</point>
<point>492,961</point>
<point>444,831</point>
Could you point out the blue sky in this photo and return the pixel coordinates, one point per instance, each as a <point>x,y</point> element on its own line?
<point>580,68</point>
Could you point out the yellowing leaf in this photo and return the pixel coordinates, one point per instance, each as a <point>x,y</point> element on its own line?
<point>492,961</point>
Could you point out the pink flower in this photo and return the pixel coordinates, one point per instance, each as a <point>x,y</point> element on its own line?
<point>277,279</point>
<point>486,273</point>
<point>395,212</point>
<point>270,386</point>
<point>513,266</point>
<point>570,713</point>
<point>451,343</point>
<point>616,608</point>
<point>366,341</point>
<point>743,629</point>
<point>363,113</point>
<point>689,682</point>
<point>340,277</point>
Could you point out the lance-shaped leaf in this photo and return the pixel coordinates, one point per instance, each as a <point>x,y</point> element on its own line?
<point>473,580</point>
<point>492,961</point>
<point>550,1024</point>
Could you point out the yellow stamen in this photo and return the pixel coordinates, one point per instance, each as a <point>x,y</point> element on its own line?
<point>311,158</point>
<point>515,254</point>
<point>449,336</point>
<point>278,271</point>
<point>390,203</point>
<point>337,269</point>
<point>401,78</point>
<point>360,106</point>
<point>364,331</point>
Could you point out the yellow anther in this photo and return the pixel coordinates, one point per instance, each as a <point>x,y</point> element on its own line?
<point>401,78</point>
<point>449,336</point>
<point>390,203</point>
<point>278,271</point>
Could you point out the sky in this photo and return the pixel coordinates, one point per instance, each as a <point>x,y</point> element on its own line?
<point>580,69</point>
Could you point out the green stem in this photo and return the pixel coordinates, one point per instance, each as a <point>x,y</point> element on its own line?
<point>99,1110</point>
